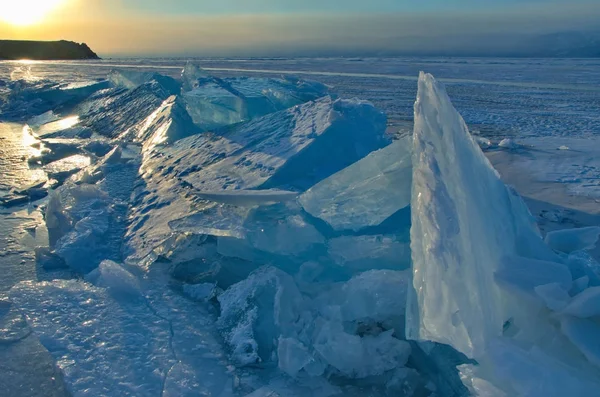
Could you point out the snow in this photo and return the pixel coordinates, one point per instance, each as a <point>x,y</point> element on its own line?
<point>359,196</point>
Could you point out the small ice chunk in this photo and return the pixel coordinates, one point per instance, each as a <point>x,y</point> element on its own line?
<point>356,357</point>
<point>508,143</point>
<point>570,240</point>
<point>365,193</point>
<point>583,333</point>
<point>554,295</point>
<point>293,356</point>
<point>376,296</point>
<point>200,292</point>
<point>256,312</point>
<point>115,278</point>
<point>483,143</point>
<point>584,305</point>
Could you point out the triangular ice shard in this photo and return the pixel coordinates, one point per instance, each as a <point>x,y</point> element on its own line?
<point>464,222</point>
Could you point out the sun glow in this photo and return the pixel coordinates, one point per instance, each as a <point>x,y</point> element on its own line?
<point>26,12</point>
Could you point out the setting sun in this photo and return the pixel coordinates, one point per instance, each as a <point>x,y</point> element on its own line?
<point>27,12</point>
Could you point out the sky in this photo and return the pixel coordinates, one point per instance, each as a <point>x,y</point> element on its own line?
<point>300,27</point>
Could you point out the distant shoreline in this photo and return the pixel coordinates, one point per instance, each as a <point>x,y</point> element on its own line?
<point>45,50</point>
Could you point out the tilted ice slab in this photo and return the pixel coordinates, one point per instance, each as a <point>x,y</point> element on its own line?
<point>365,193</point>
<point>112,112</point>
<point>287,150</point>
<point>465,222</point>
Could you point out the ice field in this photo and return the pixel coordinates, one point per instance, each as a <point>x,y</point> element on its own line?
<point>300,227</point>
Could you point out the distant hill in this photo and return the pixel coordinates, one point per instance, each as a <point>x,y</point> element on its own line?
<point>45,50</point>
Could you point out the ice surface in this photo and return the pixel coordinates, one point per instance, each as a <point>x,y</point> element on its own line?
<point>464,222</point>
<point>365,193</point>
<point>95,339</point>
<point>570,240</point>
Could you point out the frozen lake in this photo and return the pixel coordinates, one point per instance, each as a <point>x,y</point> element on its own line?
<point>547,109</point>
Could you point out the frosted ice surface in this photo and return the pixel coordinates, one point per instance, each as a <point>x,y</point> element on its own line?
<point>256,312</point>
<point>570,240</point>
<point>95,339</point>
<point>464,222</point>
<point>365,193</point>
<point>360,253</point>
<point>585,304</point>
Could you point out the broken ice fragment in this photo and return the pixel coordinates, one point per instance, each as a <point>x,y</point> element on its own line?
<point>570,240</point>
<point>365,193</point>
